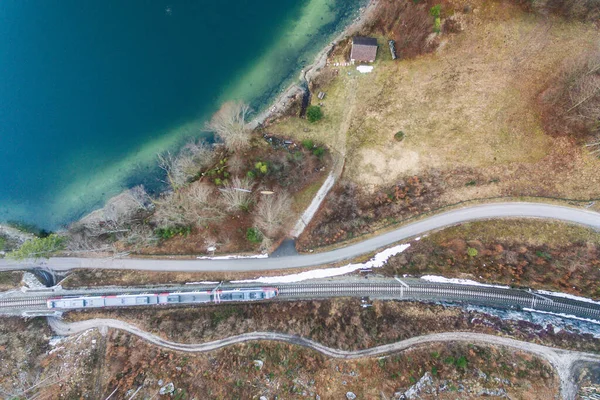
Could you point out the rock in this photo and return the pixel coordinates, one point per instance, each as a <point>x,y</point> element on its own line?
<point>350,396</point>
<point>263,398</point>
<point>414,390</point>
<point>317,397</point>
<point>492,392</point>
<point>258,363</point>
<point>169,388</point>
<point>481,374</point>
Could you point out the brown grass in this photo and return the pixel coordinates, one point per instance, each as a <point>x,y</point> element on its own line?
<point>340,323</point>
<point>531,253</point>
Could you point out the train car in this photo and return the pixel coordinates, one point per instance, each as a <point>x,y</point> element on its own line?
<point>129,300</point>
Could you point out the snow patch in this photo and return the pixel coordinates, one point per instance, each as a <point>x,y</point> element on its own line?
<point>232,257</point>
<point>376,262</point>
<point>567,296</point>
<point>364,69</point>
<point>570,316</point>
<point>441,279</point>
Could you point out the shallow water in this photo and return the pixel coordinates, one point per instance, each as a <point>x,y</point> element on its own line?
<point>90,91</point>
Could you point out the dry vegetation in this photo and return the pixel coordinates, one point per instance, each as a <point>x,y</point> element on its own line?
<point>93,364</point>
<point>23,347</point>
<point>537,254</point>
<point>10,280</point>
<point>498,109</point>
<point>233,197</point>
<point>338,323</point>
<point>293,373</point>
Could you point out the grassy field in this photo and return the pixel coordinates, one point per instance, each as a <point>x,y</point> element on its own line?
<point>470,104</point>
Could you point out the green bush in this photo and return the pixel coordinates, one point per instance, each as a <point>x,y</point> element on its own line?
<point>168,233</point>
<point>472,252</point>
<point>319,152</point>
<point>2,243</point>
<point>437,25</point>
<point>308,144</point>
<point>461,362</point>
<point>314,113</point>
<point>399,136</point>
<point>39,247</point>
<point>254,235</point>
<point>261,167</point>
<point>251,174</point>
<point>436,10</point>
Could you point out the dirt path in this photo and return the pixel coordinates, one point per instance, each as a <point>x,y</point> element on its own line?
<point>339,157</point>
<point>562,360</point>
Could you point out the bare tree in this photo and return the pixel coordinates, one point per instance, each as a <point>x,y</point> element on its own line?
<point>237,194</point>
<point>272,213</point>
<point>202,205</point>
<point>236,164</point>
<point>229,123</point>
<point>196,205</point>
<point>115,219</point>
<point>190,160</point>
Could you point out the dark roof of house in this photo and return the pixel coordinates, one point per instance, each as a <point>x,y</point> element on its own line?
<point>363,49</point>
<point>367,41</point>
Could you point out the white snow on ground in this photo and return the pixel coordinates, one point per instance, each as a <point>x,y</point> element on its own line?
<point>364,69</point>
<point>232,257</point>
<point>441,279</point>
<point>593,321</point>
<point>377,261</point>
<point>567,296</point>
<point>202,283</point>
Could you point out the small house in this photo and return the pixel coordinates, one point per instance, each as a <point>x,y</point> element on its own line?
<point>364,49</point>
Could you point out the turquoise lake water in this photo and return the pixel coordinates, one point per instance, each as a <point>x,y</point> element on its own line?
<point>91,90</point>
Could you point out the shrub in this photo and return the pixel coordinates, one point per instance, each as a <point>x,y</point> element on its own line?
<point>254,235</point>
<point>251,174</point>
<point>399,136</point>
<point>319,151</point>
<point>436,10</point>
<point>472,252</point>
<point>314,113</point>
<point>261,167</point>
<point>308,144</point>
<point>39,247</point>
<point>168,233</point>
<point>461,362</point>
<point>437,25</point>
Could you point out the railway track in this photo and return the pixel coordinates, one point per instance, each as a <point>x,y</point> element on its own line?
<point>486,296</point>
<point>27,302</point>
<point>407,289</point>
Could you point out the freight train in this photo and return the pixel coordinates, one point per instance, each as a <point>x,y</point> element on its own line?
<point>128,300</point>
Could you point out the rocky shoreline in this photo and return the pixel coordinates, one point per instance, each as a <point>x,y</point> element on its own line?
<point>283,102</point>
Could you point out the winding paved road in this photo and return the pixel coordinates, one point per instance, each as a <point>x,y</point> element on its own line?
<point>453,217</point>
<point>562,360</point>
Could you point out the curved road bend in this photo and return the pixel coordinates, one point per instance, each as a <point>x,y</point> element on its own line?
<point>453,217</point>
<point>562,360</point>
